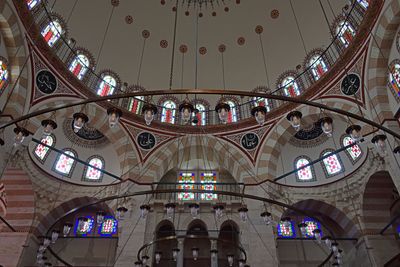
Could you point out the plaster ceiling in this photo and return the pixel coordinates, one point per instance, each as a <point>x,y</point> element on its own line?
<point>243,64</point>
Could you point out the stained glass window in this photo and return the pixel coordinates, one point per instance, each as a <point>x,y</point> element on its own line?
<point>186,181</point>
<point>290,87</point>
<point>317,66</point>
<point>65,164</point>
<point>208,180</point>
<point>262,102</point>
<point>394,77</point>
<point>107,86</point>
<point>311,226</point>
<point>355,151</point>
<point>332,164</point>
<point>108,227</point>
<point>79,66</point>
<point>32,3</point>
<point>84,228</point>
<point>135,104</point>
<point>168,112</point>
<point>232,114</point>
<point>346,33</point>
<point>286,230</point>
<point>201,115</point>
<point>305,174</point>
<point>3,74</point>
<point>364,3</point>
<point>92,174</point>
<point>41,151</point>
<point>52,32</point>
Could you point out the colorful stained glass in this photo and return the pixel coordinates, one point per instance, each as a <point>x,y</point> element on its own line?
<point>64,163</point>
<point>317,66</point>
<point>332,164</point>
<point>52,32</point>
<point>354,151</point>
<point>364,3</point>
<point>262,102</point>
<point>394,77</point>
<point>168,112</point>
<point>42,151</point>
<point>108,227</point>
<point>107,86</point>
<point>3,74</point>
<point>135,104</point>
<point>305,173</point>
<point>290,87</point>
<point>32,3</point>
<point>311,226</point>
<point>201,115</point>
<point>84,228</point>
<point>346,33</point>
<point>286,230</point>
<point>186,181</point>
<point>79,66</point>
<point>208,181</point>
<point>92,173</point>
<point>232,114</point>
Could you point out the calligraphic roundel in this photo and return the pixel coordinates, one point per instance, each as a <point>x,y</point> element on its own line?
<point>250,141</point>
<point>46,82</point>
<point>146,140</point>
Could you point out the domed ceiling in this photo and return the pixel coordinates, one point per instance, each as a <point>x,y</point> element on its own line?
<point>228,23</point>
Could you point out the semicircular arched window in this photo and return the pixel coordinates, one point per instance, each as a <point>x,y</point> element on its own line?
<point>79,66</point>
<point>91,174</point>
<point>290,87</point>
<point>232,114</point>
<point>41,152</point>
<point>32,3</point>
<point>318,66</point>
<point>305,174</point>
<point>106,86</point>
<point>345,32</point>
<point>52,32</point>
<point>135,104</point>
<point>394,77</point>
<point>201,114</point>
<point>65,165</point>
<point>354,152</point>
<point>168,112</point>
<point>364,3</point>
<point>3,74</point>
<point>332,164</point>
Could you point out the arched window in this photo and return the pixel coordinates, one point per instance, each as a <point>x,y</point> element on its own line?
<point>290,87</point>
<point>232,115</point>
<point>186,181</point>
<point>208,181</point>
<point>201,115</point>
<point>107,86</point>
<point>311,226</point>
<point>394,77</point>
<point>84,228</point>
<point>92,174</point>
<point>108,227</point>
<point>64,165</point>
<point>41,152</point>
<point>331,164</point>
<point>262,102</point>
<point>286,230</point>
<point>353,152</point>
<point>318,66</point>
<point>135,104</point>
<point>305,174</point>
<point>3,74</point>
<point>168,112</point>
<point>345,33</point>
<point>79,66</point>
<point>32,3</point>
<point>364,3</point>
<point>52,32</point>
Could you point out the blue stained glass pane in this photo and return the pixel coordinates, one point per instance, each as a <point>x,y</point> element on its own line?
<point>286,231</point>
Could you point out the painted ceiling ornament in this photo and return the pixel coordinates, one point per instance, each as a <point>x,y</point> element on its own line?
<point>222,48</point>
<point>275,13</point>
<point>204,3</point>
<point>241,41</point>
<point>259,29</point>
<point>183,48</point>
<point>115,3</point>
<point>145,34</point>
<point>129,19</point>
<point>202,50</point>
<point>163,43</point>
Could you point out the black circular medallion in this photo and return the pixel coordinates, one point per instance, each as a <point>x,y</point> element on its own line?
<point>146,140</point>
<point>46,82</point>
<point>249,141</point>
<point>350,84</point>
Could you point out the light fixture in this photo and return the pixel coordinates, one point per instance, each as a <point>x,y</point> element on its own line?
<point>114,114</point>
<point>339,254</point>
<point>317,235</point>
<point>158,255</point>
<point>396,150</point>
<point>242,262</point>
<point>48,127</point>
<point>195,253</point>
<point>334,247</point>
<point>223,109</point>
<point>46,242</point>
<point>328,241</point>
<point>194,209</point>
<point>294,118</point>
<point>66,229</point>
<point>121,212</point>
<point>79,121</point>
<point>20,134</point>
<point>259,113</point>
<point>214,254</point>
<point>170,209</point>
<point>48,264</point>
<point>380,144</point>
<point>243,213</point>
<point>186,109</point>
<point>230,259</point>
<point>267,217</point>
<point>138,264</point>
<point>149,110</point>
<point>100,217</point>
<point>54,236</point>
<point>286,221</point>
<point>145,259</point>
<point>355,132</point>
<point>41,248</point>
<point>303,228</point>
<point>175,252</point>
<point>219,210</point>
<point>327,126</point>
<point>195,119</point>
<point>144,210</point>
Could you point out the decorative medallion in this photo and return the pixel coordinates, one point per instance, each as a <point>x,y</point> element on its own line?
<point>222,48</point>
<point>145,34</point>
<point>350,84</point>
<point>129,19</point>
<point>309,136</point>
<point>115,3</point>
<point>241,40</point>
<point>202,50</point>
<point>275,13</point>
<point>163,43</point>
<point>46,82</point>
<point>183,48</point>
<point>249,141</point>
<point>146,140</point>
<point>259,29</point>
